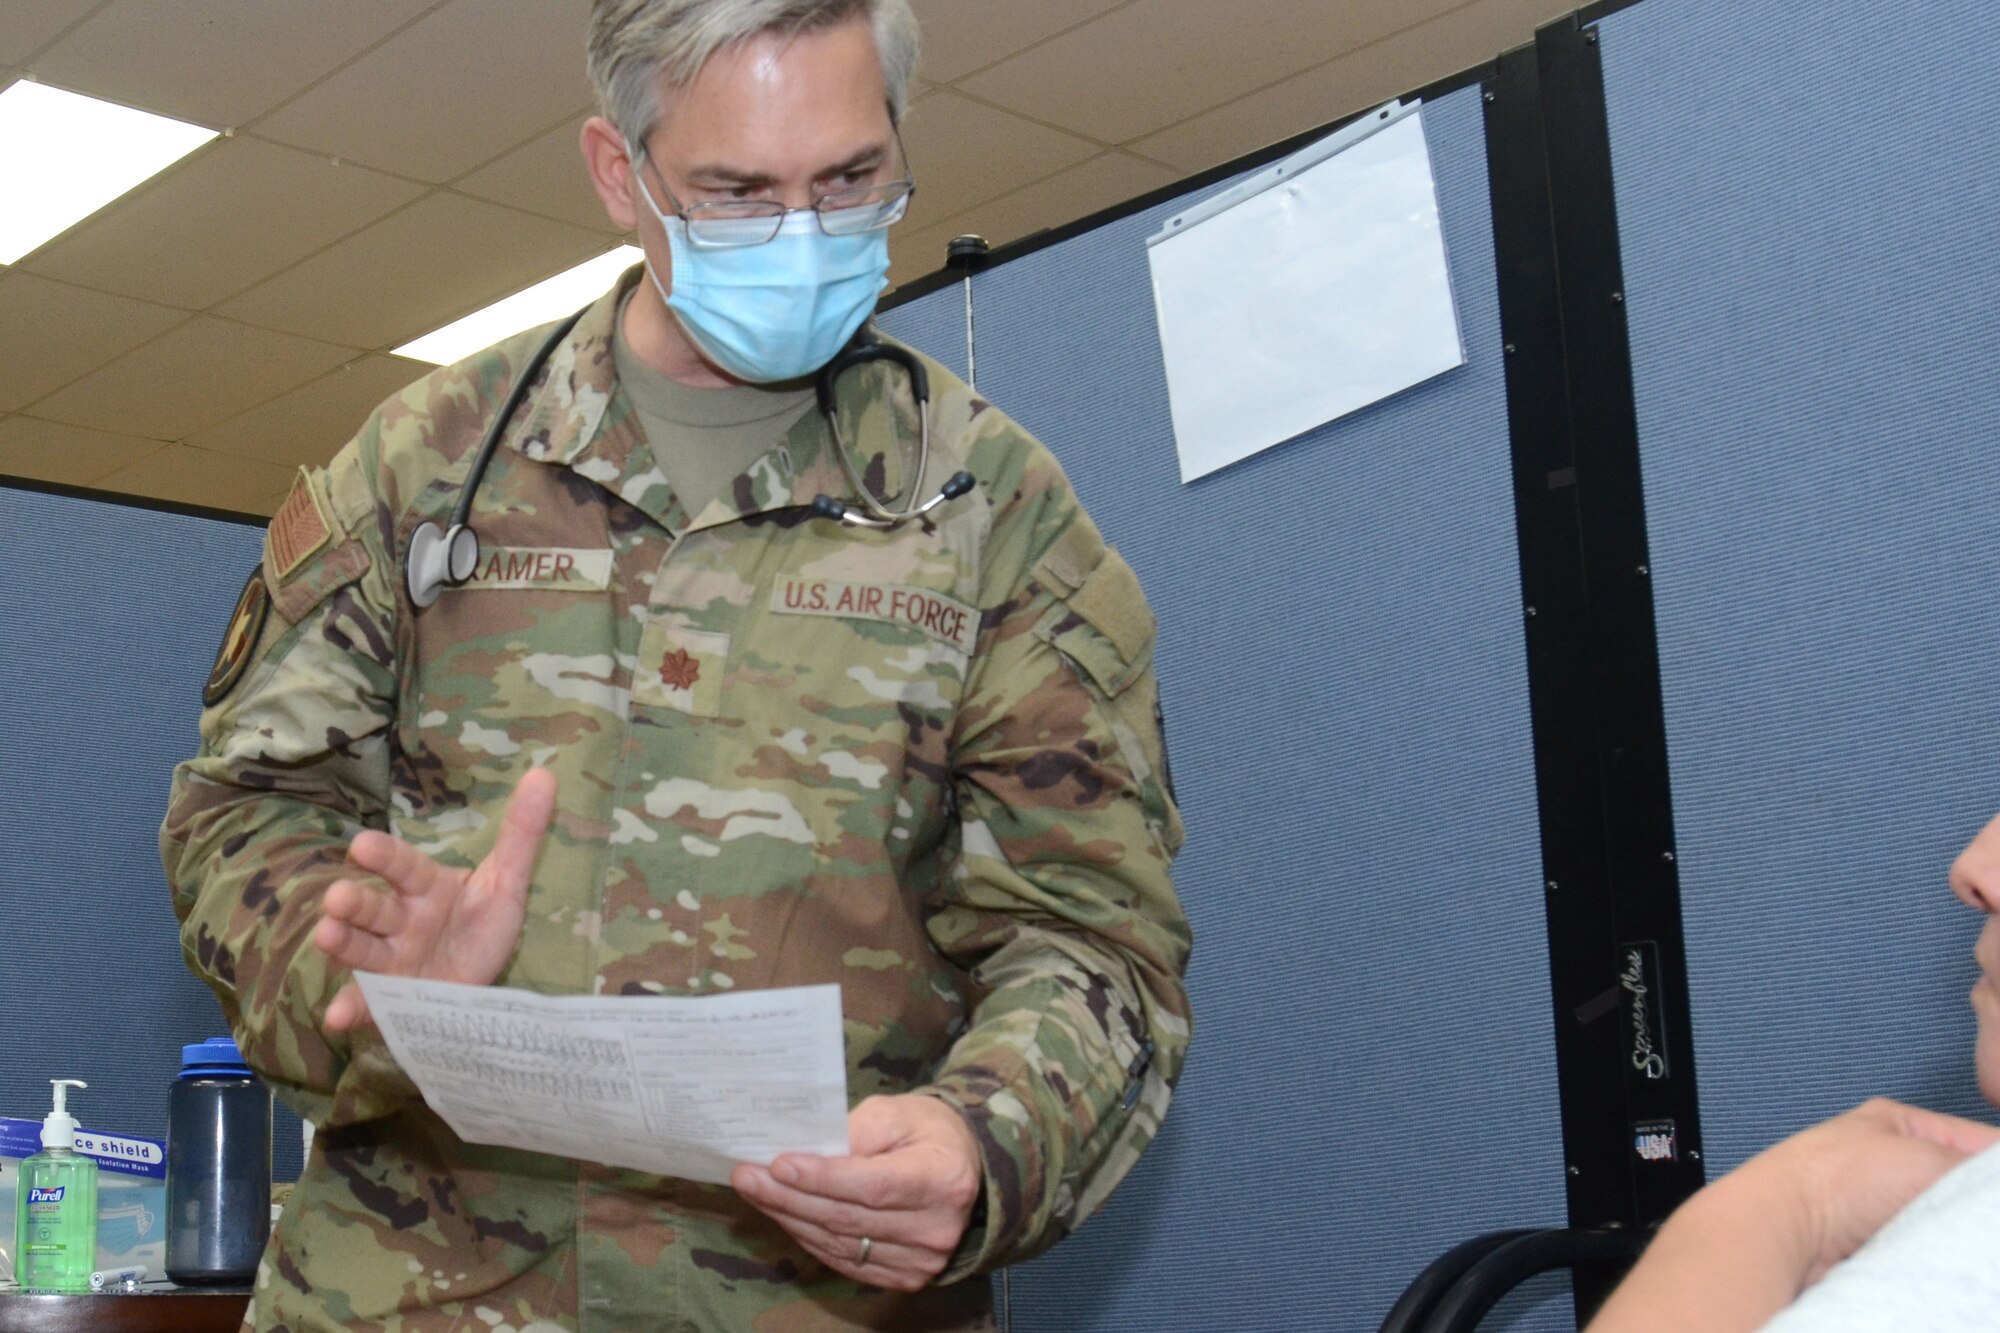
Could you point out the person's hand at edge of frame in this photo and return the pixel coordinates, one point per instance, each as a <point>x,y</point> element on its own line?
<point>1852,1173</point>
<point>1743,1248</point>
<point>439,922</point>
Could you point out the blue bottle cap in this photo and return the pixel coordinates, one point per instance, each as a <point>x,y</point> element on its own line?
<point>216,1056</point>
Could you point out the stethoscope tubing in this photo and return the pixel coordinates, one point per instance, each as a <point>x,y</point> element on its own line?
<point>871,512</point>
<point>461,512</point>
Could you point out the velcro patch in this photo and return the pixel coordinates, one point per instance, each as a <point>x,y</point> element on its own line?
<point>560,568</point>
<point>1112,600</point>
<point>239,641</point>
<point>299,528</point>
<point>943,618</point>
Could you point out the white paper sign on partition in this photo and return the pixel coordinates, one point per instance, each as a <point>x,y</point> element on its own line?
<point>1305,293</point>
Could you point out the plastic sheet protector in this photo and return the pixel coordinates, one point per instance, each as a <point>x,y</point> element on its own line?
<point>1309,291</point>
<point>683,1086</point>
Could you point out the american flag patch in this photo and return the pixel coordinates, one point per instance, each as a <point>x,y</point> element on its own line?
<point>298,529</point>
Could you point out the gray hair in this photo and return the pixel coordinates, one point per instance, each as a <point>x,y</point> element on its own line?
<point>632,42</point>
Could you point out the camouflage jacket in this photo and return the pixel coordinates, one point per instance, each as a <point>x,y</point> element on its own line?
<point>924,764</point>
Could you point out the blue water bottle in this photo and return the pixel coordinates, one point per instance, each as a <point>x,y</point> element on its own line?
<point>218,1168</point>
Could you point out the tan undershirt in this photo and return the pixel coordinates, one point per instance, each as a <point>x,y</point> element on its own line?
<point>703,439</point>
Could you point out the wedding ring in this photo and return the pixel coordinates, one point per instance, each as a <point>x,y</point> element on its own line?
<point>861,1255</point>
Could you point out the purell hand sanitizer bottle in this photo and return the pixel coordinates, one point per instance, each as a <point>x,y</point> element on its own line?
<point>55,1213</point>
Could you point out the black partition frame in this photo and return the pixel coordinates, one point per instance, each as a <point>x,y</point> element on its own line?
<point>1617,963</point>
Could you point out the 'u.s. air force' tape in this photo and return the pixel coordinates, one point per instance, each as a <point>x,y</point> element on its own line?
<point>943,618</point>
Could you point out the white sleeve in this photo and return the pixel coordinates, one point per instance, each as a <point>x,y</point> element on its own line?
<point>1932,1269</point>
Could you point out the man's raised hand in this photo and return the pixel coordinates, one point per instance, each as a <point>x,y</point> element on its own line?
<point>434,921</point>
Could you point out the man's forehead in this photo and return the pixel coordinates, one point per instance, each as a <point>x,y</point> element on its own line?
<point>824,68</point>
<point>778,106</point>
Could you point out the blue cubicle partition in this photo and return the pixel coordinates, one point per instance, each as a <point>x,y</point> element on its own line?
<point>1372,1077</point>
<point>1807,196</point>
<point>111,618</point>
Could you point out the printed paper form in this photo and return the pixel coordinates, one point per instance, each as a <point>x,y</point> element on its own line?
<point>681,1086</point>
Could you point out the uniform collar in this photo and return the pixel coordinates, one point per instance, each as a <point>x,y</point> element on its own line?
<point>583,420</point>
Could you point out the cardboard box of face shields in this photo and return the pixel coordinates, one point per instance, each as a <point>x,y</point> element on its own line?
<point>131,1194</point>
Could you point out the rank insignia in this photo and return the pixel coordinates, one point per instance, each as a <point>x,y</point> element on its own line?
<point>681,670</point>
<point>690,666</point>
<point>246,626</point>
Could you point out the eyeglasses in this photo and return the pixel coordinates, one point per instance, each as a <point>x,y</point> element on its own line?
<point>728,223</point>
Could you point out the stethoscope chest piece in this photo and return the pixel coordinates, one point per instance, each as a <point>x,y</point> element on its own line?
<point>439,559</point>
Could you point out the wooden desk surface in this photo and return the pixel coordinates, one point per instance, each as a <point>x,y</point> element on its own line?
<point>159,1310</point>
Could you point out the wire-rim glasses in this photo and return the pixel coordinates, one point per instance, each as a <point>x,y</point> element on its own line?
<point>731,223</point>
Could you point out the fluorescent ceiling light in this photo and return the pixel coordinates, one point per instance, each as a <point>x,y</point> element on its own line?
<point>63,156</point>
<point>551,298</point>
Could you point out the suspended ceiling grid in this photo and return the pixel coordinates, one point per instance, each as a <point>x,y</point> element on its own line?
<point>390,165</point>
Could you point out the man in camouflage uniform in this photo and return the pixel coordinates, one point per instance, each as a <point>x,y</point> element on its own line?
<point>662,747</point>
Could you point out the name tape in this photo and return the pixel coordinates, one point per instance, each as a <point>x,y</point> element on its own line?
<point>557,567</point>
<point>942,618</point>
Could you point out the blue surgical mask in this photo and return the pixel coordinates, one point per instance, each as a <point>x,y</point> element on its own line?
<point>776,311</point>
<point>120,1229</point>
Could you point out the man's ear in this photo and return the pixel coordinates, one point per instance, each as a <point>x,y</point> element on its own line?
<point>611,171</point>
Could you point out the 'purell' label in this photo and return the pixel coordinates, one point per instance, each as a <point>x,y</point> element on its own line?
<point>47,1196</point>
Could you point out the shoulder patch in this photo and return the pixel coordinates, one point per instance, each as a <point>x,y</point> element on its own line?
<point>1068,563</point>
<point>1112,600</point>
<point>1105,626</point>
<point>239,641</point>
<point>299,528</point>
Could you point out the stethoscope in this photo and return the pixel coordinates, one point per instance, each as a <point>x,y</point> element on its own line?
<point>447,557</point>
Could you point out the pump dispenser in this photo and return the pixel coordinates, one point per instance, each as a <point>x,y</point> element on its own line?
<point>55,1217</point>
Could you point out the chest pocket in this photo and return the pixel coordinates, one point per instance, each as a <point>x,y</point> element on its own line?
<point>844,693</point>
<point>519,665</point>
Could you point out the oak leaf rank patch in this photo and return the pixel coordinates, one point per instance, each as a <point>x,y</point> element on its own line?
<point>680,670</point>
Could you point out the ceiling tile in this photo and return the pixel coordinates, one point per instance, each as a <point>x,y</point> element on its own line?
<point>309,424</point>
<point>205,371</point>
<point>1110,178</point>
<point>191,476</point>
<point>440,258</point>
<point>546,175</point>
<point>52,451</point>
<point>964,152</point>
<point>218,62</point>
<point>1367,77</point>
<point>31,23</point>
<point>960,37</point>
<point>1143,67</point>
<point>51,333</point>
<point>912,254</point>
<point>231,215</point>
<point>466,84</point>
